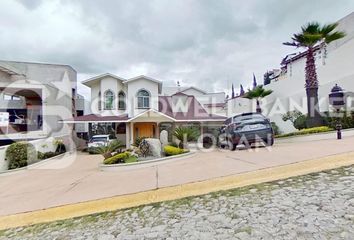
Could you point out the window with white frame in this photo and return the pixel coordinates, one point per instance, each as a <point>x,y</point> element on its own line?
<point>121,101</point>
<point>143,99</point>
<point>108,100</point>
<point>11,97</point>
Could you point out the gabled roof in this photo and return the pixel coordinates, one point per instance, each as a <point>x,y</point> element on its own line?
<point>92,80</point>
<point>180,94</point>
<point>146,78</point>
<point>151,111</point>
<point>97,118</point>
<point>143,77</point>
<point>9,69</point>
<point>199,90</point>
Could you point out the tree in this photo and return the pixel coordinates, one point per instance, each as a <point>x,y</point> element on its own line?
<point>258,93</point>
<point>291,116</point>
<point>232,91</point>
<point>297,118</point>
<point>311,36</point>
<point>242,92</point>
<point>254,81</point>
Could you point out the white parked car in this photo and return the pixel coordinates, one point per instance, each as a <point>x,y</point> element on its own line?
<point>99,140</point>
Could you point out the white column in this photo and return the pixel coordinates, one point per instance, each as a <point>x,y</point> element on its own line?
<point>131,133</point>
<point>127,135</point>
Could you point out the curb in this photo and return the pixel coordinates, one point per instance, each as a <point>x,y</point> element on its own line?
<point>31,166</point>
<point>176,192</point>
<point>146,163</point>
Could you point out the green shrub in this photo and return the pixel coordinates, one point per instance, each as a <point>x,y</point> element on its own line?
<point>50,154</point>
<point>40,155</point>
<point>275,128</point>
<point>20,154</point>
<point>131,159</point>
<point>170,150</point>
<point>300,122</point>
<point>118,158</point>
<point>347,120</point>
<point>307,131</point>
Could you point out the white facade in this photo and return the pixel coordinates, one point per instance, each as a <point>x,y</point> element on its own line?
<point>130,88</point>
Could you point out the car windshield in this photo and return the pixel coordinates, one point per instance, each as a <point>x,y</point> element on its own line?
<point>241,118</point>
<point>99,139</point>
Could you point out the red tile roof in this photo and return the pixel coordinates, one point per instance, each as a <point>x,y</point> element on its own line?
<point>98,118</point>
<point>195,111</point>
<point>214,105</point>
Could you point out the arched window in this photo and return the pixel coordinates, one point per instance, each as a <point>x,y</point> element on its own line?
<point>108,100</point>
<point>143,99</point>
<point>121,100</point>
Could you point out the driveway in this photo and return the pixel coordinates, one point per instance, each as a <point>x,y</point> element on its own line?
<point>83,181</point>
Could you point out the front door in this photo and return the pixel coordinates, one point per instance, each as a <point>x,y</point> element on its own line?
<point>144,130</point>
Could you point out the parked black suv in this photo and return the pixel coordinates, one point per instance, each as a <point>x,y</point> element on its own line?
<point>248,128</point>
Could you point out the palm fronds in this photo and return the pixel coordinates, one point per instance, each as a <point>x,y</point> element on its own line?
<point>185,134</point>
<point>313,33</point>
<point>257,92</point>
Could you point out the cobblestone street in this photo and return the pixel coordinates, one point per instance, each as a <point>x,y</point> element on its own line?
<point>316,206</point>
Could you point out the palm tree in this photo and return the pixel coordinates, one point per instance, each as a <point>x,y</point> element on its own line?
<point>257,93</point>
<point>185,134</point>
<point>311,36</point>
<point>107,150</point>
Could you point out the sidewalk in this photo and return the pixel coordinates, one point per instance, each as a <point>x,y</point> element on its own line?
<point>82,181</point>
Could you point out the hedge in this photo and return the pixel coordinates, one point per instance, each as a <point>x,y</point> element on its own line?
<point>118,158</point>
<point>170,150</point>
<point>306,131</point>
<point>20,154</point>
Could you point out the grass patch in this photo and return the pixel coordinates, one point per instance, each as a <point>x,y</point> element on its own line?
<point>306,131</point>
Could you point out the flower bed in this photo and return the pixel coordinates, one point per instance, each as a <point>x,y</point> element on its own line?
<point>144,163</point>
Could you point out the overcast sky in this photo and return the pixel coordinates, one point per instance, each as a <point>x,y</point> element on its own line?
<point>207,43</point>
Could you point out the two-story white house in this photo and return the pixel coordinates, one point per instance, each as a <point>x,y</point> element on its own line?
<point>141,107</point>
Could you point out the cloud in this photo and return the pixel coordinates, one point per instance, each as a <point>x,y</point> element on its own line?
<point>205,43</point>
<point>30,4</point>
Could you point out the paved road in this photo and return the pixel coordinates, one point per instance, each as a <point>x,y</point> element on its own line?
<point>317,206</point>
<point>82,180</point>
